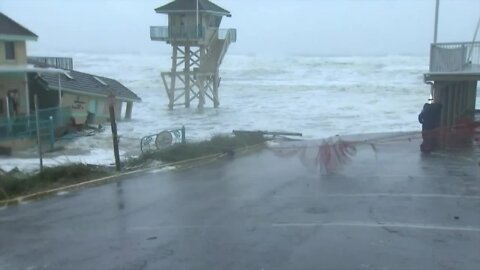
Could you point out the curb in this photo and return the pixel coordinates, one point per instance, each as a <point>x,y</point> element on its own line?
<point>189,163</point>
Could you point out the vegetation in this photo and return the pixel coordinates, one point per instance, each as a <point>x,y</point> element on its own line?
<point>218,144</point>
<point>15,184</point>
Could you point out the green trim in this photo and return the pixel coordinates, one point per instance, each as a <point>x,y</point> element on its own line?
<point>4,37</point>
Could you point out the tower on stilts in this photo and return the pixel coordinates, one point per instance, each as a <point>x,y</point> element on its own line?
<point>198,48</point>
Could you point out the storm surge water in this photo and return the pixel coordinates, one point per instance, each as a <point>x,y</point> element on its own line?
<point>317,96</point>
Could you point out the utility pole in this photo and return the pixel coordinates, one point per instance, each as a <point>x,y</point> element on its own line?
<point>435,33</point>
<point>113,123</point>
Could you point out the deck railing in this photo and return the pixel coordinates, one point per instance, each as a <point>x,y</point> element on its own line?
<point>54,62</point>
<point>223,33</point>
<point>455,57</point>
<point>24,126</point>
<point>165,33</point>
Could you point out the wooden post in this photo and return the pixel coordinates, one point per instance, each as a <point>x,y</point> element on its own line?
<point>52,133</point>
<point>128,111</point>
<point>7,107</point>
<point>187,76</point>
<point>201,82</point>
<point>114,131</point>
<point>173,77</point>
<point>184,141</point>
<point>27,97</point>
<point>39,140</point>
<point>60,91</point>
<point>216,84</point>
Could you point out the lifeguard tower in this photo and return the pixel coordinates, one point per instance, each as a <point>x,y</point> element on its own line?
<point>454,74</point>
<point>199,46</point>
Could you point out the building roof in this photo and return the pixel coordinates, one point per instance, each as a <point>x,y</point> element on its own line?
<point>11,30</point>
<point>187,6</point>
<point>88,84</point>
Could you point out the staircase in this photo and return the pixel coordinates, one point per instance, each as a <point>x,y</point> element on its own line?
<point>217,49</point>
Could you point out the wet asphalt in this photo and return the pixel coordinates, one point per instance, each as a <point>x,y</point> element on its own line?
<point>391,207</point>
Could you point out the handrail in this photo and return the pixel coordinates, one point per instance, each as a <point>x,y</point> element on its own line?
<point>455,43</point>
<point>171,32</point>
<point>455,57</point>
<point>164,139</point>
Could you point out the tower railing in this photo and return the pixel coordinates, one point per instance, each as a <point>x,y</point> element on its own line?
<point>223,33</point>
<point>165,33</point>
<point>55,62</point>
<point>455,57</point>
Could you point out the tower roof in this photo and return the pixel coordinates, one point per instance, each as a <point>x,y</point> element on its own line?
<point>10,29</point>
<point>189,6</point>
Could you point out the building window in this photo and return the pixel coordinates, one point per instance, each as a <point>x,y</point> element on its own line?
<point>9,50</point>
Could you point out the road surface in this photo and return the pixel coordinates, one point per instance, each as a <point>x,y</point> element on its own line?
<point>390,208</point>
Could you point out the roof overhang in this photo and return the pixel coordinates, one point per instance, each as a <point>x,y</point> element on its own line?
<point>17,38</point>
<point>451,76</point>
<point>28,69</point>
<point>79,92</point>
<point>193,12</point>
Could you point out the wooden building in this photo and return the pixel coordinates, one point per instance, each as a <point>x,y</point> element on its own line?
<point>65,96</point>
<point>86,95</point>
<point>14,92</point>
<point>199,46</point>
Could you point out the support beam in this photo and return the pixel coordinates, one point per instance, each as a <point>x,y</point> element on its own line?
<point>187,75</point>
<point>216,84</point>
<point>171,91</point>
<point>27,96</point>
<point>60,90</point>
<point>128,111</point>
<point>201,83</point>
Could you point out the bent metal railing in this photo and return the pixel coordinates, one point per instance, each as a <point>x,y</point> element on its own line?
<point>162,140</point>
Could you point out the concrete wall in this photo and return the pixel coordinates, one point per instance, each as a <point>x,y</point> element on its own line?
<point>20,54</point>
<point>12,83</point>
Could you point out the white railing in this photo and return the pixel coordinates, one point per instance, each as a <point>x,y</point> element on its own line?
<point>54,62</point>
<point>165,33</point>
<point>455,57</point>
<point>222,34</point>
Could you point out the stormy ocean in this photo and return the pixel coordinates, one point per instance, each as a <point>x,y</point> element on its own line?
<point>315,95</point>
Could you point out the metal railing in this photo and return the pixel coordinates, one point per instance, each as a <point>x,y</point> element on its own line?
<point>54,62</point>
<point>223,33</point>
<point>25,126</point>
<point>162,140</point>
<point>165,33</point>
<point>455,57</point>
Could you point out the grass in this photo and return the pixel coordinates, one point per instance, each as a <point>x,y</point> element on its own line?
<point>15,184</point>
<point>216,145</point>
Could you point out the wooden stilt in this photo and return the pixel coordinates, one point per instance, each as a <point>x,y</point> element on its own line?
<point>187,76</point>
<point>171,91</point>
<point>216,84</point>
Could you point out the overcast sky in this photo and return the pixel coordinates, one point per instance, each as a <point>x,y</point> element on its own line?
<point>309,27</point>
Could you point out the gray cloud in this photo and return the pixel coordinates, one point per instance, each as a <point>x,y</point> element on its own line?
<point>328,27</point>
